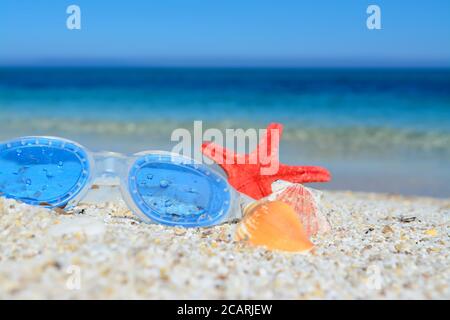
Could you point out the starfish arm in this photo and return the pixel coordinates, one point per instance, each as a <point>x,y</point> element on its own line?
<point>303,174</point>
<point>269,145</point>
<point>218,154</point>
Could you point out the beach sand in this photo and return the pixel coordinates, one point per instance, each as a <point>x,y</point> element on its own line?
<point>381,246</point>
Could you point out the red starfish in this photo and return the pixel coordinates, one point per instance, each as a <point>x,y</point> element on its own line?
<point>249,177</point>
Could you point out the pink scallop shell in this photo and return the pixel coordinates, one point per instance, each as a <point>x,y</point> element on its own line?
<point>305,205</point>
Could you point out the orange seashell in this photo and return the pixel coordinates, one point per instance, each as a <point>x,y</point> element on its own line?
<point>274,225</point>
<point>304,204</point>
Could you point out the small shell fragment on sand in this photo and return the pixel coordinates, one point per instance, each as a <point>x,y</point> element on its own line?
<point>85,225</point>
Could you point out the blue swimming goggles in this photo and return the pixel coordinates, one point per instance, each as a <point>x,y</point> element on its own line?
<point>159,187</point>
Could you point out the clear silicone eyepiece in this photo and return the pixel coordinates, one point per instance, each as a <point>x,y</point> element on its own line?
<point>174,190</point>
<point>42,171</point>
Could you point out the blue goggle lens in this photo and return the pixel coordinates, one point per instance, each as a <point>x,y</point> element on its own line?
<point>175,191</point>
<point>42,171</point>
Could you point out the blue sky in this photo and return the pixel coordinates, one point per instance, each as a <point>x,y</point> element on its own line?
<point>225,32</point>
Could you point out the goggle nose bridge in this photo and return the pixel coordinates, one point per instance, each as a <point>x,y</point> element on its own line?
<point>109,165</point>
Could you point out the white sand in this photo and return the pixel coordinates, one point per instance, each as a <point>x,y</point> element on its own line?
<point>380,247</point>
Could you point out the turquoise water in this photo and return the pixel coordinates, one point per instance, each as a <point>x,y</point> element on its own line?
<point>377,130</point>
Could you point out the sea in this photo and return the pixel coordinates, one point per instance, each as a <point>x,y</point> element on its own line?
<point>376,130</point>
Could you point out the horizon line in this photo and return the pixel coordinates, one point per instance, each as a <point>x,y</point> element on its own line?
<point>231,62</point>
<point>221,66</point>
